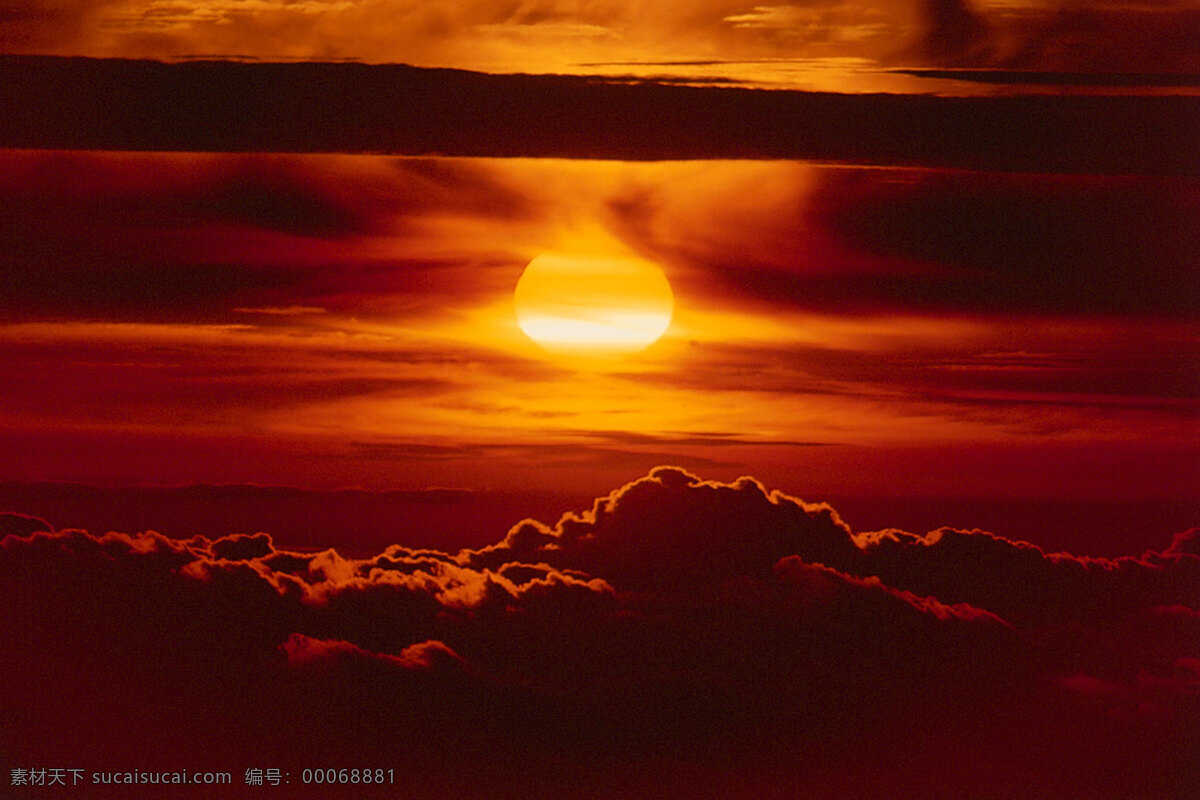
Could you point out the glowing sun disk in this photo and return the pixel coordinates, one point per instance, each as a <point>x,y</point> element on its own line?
<point>592,304</point>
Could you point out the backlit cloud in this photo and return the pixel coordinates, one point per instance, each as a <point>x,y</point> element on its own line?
<point>676,618</point>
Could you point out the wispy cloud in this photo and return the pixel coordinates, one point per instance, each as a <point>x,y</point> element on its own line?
<point>555,34</point>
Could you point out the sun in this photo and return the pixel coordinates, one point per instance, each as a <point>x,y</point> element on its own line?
<point>593,305</point>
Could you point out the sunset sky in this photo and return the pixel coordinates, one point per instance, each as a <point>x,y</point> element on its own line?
<point>260,321</point>
<point>346,321</point>
<point>811,44</point>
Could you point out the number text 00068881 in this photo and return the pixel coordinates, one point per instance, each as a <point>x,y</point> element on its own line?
<point>348,776</point>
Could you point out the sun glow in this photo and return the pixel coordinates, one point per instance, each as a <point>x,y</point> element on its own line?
<point>593,305</point>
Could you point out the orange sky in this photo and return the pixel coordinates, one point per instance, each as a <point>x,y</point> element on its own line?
<point>338,320</point>
<point>332,320</point>
<point>901,504</point>
<point>812,44</point>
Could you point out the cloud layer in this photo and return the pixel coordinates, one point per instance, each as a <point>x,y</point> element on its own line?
<point>557,34</point>
<point>681,638</point>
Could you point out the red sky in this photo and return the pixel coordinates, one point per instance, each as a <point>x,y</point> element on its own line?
<point>296,384</point>
<point>336,321</point>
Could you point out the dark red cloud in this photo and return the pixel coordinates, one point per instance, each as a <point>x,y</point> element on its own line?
<point>1023,243</point>
<point>695,543</point>
<point>954,33</point>
<point>1106,37</point>
<point>870,242</point>
<point>246,238</point>
<point>683,638</point>
<point>1094,38</point>
<point>674,531</point>
<point>12,524</point>
<point>274,241</point>
<point>346,108</point>
<point>38,26</point>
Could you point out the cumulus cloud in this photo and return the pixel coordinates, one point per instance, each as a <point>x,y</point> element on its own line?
<point>12,524</point>
<point>672,529</point>
<point>619,649</point>
<point>304,650</point>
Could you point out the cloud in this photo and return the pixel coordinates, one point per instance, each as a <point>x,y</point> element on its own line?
<point>1185,543</point>
<point>289,311</point>
<point>546,33</point>
<point>920,241</point>
<point>12,524</point>
<point>303,650</point>
<point>559,34</point>
<point>813,27</point>
<point>694,547</point>
<point>1104,37</point>
<point>209,238</point>
<point>242,547</point>
<point>672,530</point>
<point>47,26</point>
<point>323,107</point>
<point>954,33</point>
<point>618,649</point>
<point>1054,232</point>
